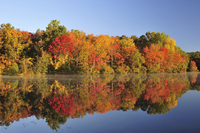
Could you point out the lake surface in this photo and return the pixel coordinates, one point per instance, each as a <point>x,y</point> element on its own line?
<point>100,103</point>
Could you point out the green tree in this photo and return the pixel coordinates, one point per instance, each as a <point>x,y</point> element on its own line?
<point>53,30</point>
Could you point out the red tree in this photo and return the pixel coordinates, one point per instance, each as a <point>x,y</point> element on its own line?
<point>61,46</point>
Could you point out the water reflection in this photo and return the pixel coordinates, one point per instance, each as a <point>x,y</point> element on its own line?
<point>58,98</point>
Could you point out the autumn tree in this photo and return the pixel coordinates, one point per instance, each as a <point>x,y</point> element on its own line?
<point>195,56</point>
<point>153,58</point>
<point>13,42</point>
<point>193,66</point>
<point>61,49</point>
<point>36,48</point>
<point>53,30</point>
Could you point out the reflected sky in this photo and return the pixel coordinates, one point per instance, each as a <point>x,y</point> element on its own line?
<point>123,103</point>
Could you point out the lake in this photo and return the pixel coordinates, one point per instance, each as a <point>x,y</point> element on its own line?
<point>131,103</point>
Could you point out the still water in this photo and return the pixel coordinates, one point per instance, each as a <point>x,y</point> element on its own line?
<point>100,103</point>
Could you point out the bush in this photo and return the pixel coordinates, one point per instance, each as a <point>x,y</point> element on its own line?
<point>2,66</point>
<point>123,69</point>
<point>143,69</point>
<point>193,67</point>
<point>107,70</point>
<point>12,70</point>
<point>42,63</point>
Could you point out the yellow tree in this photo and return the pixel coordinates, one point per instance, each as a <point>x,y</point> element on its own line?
<point>170,44</point>
<point>106,47</point>
<point>132,57</point>
<point>14,41</point>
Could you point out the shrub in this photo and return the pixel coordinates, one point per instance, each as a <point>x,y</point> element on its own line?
<point>193,66</point>
<point>12,70</point>
<point>107,70</point>
<point>123,69</point>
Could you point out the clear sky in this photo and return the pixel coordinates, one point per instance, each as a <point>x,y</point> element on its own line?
<point>180,19</point>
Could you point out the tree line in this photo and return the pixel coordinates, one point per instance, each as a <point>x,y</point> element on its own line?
<point>58,51</point>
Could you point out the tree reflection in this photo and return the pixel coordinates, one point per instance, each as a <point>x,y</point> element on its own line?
<point>58,99</point>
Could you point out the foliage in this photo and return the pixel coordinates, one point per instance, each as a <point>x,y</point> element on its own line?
<point>61,49</point>
<point>123,69</point>
<point>13,41</point>
<point>26,66</point>
<point>193,66</point>
<point>12,70</point>
<point>195,56</point>
<point>107,70</point>
<point>53,30</point>
<point>41,64</point>
<point>56,50</point>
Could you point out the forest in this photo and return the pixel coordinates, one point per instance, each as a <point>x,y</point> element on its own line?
<point>58,51</point>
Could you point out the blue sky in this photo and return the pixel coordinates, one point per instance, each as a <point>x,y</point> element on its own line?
<point>180,19</point>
